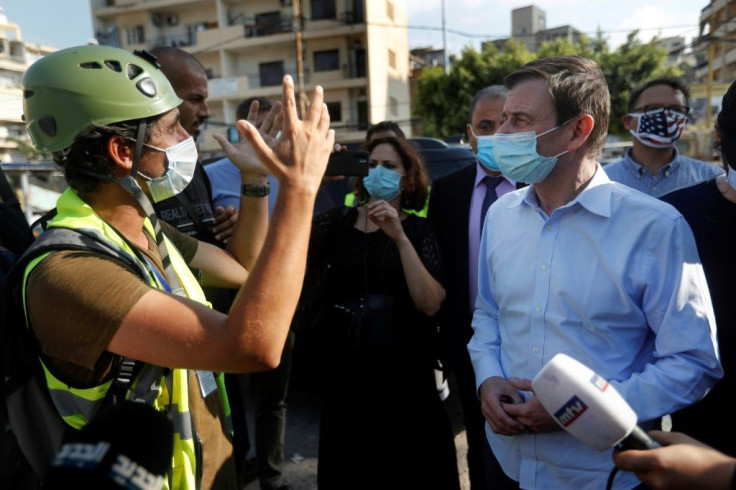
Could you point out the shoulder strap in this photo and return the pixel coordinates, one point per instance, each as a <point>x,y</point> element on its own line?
<point>15,364</point>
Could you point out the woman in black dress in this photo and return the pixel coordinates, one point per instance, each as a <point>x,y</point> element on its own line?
<point>382,422</point>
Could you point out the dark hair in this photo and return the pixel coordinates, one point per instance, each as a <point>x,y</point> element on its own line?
<point>86,162</point>
<point>577,87</point>
<point>381,127</point>
<point>668,80</point>
<point>415,180</point>
<point>264,105</point>
<point>489,92</point>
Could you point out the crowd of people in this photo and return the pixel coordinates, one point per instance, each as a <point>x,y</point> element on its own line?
<point>174,284</point>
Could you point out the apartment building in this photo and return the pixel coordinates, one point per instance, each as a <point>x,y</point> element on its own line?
<point>529,25</point>
<point>357,50</point>
<point>15,57</point>
<point>716,47</point>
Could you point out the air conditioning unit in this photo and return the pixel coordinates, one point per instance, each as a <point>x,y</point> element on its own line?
<point>172,19</point>
<point>157,19</point>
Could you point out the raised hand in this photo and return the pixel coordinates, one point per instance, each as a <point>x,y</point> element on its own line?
<point>299,157</point>
<point>243,154</point>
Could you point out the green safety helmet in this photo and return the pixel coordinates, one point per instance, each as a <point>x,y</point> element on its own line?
<point>66,91</point>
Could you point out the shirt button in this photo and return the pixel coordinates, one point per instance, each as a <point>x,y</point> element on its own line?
<point>549,227</point>
<point>536,350</point>
<point>538,308</point>
<point>544,267</point>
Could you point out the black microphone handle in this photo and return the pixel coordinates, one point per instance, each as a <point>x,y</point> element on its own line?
<point>638,439</point>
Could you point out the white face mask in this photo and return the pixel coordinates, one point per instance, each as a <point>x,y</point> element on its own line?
<point>181,160</point>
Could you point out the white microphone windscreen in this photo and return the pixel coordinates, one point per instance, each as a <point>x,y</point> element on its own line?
<point>583,403</point>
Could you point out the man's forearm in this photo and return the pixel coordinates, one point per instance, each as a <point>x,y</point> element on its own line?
<point>265,305</point>
<point>250,231</point>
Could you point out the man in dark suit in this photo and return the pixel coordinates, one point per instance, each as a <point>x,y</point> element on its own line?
<point>457,208</point>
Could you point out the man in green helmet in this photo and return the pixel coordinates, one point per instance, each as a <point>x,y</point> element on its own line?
<point>111,120</point>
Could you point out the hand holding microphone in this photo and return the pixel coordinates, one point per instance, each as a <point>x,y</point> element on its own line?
<point>587,406</point>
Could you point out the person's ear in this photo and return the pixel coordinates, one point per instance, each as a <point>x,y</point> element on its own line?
<point>121,152</point>
<point>582,127</point>
<point>627,120</point>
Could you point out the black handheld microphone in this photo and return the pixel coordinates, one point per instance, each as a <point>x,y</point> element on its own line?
<point>129,445</point>
<point>588,407</point>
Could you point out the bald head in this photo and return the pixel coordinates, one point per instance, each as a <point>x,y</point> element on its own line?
<point>189,79</point>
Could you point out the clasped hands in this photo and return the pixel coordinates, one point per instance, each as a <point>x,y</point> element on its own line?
<point>506,411</point>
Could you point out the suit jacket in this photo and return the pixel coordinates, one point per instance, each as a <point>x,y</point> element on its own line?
<point>449,206</point>
<point>449,209</point>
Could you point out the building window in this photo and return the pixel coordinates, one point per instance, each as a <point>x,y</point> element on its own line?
<point>323,9</point>
<point>327,60</point>
<point>135,35</point>
<point>391,59</point>
<point>335,111</point>
<point>393,106</point>
<point>362,115</point>
<point>390,10</point>
<point>271,73</point>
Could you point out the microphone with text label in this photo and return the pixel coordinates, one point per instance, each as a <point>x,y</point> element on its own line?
<point>127,446</point>
<point>587,406</point>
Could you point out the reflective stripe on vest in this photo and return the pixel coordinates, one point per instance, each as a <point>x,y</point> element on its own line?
<point>165,390</point>
<point>351,201</point>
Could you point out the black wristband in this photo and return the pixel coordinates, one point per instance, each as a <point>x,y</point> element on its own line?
<point>256,190</point>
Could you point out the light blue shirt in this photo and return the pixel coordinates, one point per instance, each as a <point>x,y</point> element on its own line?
<point>681,172</point>
<point>612,279</point>
<point>224,178</point>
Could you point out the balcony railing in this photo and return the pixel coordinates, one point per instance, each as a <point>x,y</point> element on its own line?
<point>188,39</point>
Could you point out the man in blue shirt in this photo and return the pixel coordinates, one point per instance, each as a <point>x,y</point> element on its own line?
<point>657,116</point>
<point>580,265</point>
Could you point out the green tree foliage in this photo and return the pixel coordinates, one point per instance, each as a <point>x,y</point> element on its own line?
<point>442,101</point>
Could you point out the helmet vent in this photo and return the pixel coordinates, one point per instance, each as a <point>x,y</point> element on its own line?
<point>91,65</point>
<point>114,65</point>
<point>147,86</point>
<point>47,124</point>
<point>133,71</point>
<point>27,94</point>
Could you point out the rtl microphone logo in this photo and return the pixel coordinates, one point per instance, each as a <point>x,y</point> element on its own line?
<point>570,411</point>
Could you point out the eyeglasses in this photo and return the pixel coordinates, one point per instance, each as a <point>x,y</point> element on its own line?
<point>680,109</point>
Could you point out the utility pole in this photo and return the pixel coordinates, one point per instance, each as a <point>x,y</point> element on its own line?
<point>709,86</point>
<point>444,40</point>
<point>297,25</point>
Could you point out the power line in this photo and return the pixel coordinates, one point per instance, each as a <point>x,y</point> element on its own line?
<point>457,32</point>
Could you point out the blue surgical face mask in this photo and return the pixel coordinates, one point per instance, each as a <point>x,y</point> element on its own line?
<point>181,160</point>
<point>515,155</point>
<point>382,183</point>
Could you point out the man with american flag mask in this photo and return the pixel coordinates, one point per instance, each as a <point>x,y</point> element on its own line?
<point>658,113</point>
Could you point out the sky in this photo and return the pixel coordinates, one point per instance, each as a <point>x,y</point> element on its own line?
<point>64,23</point>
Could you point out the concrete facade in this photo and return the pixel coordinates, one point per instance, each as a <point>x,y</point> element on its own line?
<point>357,50</point>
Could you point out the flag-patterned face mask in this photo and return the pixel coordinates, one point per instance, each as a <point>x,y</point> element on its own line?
<point>659,128</point>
